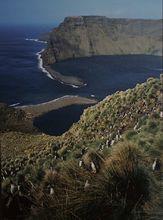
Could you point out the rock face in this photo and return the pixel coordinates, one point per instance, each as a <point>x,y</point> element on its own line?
<point>96,35</point>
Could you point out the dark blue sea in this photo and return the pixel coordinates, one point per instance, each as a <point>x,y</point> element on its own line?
<point>21,81</point>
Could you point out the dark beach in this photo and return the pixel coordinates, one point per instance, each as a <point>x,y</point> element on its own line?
<point>73,81</point>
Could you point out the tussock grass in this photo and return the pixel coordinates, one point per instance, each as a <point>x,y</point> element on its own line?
<point>119,191</point>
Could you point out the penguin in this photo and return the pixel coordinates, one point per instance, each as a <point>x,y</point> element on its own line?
<point>51,191</point>
<point>112,142</point>
<point>156,165</point>
<point>93,167</point>
<point>87,185</point>
<point>12,188</point>
<point>80,163</point>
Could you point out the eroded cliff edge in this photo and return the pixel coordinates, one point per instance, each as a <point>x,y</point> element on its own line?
<point>83,36</point>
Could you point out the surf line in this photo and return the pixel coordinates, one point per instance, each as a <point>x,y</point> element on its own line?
<point>15,104</point>
<point>43,69</point>
<point>40,61</point>
<point>36,40</point>
<point>41,66</point>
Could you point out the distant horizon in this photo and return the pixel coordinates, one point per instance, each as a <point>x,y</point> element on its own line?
<point>39,12</point>
<point>57,22</point>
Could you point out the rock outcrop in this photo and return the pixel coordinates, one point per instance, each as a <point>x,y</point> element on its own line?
<point>97,35</point>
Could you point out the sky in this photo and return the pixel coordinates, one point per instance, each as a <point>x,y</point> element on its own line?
<point>53,11</point>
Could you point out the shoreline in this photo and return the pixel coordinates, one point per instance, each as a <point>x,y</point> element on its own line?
<point>36,40</point>
<point>40,64</point>
<point>72,81</point>
<point>64,101</point>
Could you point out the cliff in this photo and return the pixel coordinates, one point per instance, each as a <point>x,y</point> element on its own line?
<point>96,35</point>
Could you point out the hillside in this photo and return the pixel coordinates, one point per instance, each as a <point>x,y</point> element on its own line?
<point>12,119</point>
<point>100,126</point>
<point>83,36</point>
<point>110,118</point>
<point>99,164</point>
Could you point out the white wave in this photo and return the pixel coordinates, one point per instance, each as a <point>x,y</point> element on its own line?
<point>40,64</point>
<point>15,104</point>
<point>36,40</point>
<point>41,67</point>
<point>67,84</point>
<point>74,86</point>
<point>92,95</point>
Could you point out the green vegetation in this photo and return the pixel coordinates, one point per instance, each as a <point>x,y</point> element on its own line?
<point>124,186</point>
<point>100,169</point>
<point>120,190</point>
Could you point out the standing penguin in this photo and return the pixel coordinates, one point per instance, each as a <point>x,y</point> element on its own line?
<point>80,163</point>
<point>93,167</point>
<point>87,185</point>
<point>156,166</point>
<point>12,187</point>
<point>51,191</point>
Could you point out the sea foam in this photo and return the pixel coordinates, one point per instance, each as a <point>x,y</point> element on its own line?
<point>41,67</point>
<point>40,61</point>
<point>36,40</point>
<point>40,64</point>
<point>15,104</point>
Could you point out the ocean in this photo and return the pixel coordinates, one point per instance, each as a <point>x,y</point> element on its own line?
<point>22,82</point>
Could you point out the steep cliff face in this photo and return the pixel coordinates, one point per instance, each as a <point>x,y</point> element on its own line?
<point>96,35</point>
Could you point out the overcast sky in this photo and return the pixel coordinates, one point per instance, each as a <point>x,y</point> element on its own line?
<point>52,11</point>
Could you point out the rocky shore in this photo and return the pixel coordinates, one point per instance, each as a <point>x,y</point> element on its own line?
<point>67,80</point>
<point>72,81</point>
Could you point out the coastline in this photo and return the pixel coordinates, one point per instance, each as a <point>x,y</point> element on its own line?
<point>40,64</point>
<point>36,40</point>
<point>39,109</point>
<point>73,81</point>
<point>54,75</point>
<point>67,100</point>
